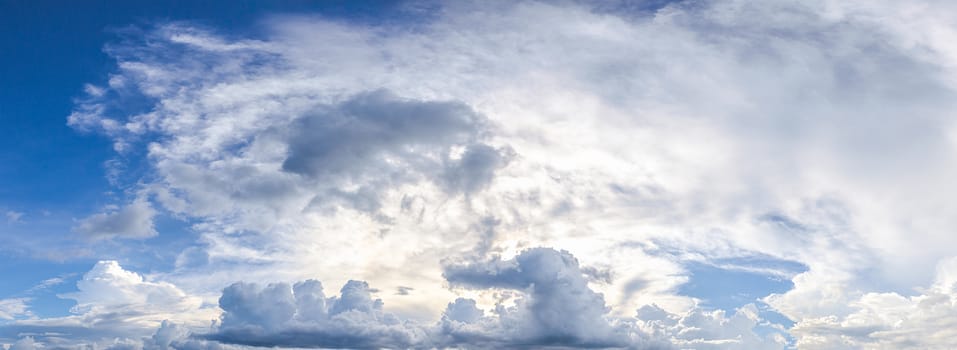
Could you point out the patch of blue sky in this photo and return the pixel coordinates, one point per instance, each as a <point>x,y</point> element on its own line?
<point>40,281</point>
<point>728,284</point>
<point>772,323</point>
<point>159,253</point>
<point>642,8</point>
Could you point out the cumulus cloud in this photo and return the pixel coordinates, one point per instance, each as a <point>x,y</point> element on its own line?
<point>107,285</point>
<point>134,221</point>
<point>301,316</point>
<point>881,320</point>
<point>113,304</point>
<point>555,308</point>
<point>559,308</point>
<point>704,329</point>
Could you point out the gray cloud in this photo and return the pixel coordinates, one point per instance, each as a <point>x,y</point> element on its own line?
<point>476,168</point>
<point>358,136</point>
<point>300,316</point>
<point>558,309</point>
<point>132,221</point>
<point>377,140</point>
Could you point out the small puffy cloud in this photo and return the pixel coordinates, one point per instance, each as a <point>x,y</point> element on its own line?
<point>108,286</point>
<point>134,221</point>
<point>464,311</point>
<point>13,216</point>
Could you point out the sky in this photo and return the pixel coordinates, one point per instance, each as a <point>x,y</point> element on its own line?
<point>686,174</point>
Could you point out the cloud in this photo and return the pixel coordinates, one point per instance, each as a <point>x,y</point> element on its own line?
<point>475,168</point>
<point>377,140</point>
<point>703,329</point>
<point>14,216</point>
<point>301,316</point>
<point>880,320</point>
<point>555,308</point>
<point>47,283</point>
<point>637,141</point>
<point>134,221</point>
<point>25,343</point>
<point>13,308</point>
<point>113,304</point>
<point>559,308</point>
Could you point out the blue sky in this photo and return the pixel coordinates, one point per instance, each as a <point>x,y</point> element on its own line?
<point>415,174</point>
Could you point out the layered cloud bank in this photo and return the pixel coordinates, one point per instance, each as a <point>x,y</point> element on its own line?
<point>552,306</point>
<point>423,164</point>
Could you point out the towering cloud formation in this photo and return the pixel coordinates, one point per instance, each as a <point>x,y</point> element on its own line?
<point>559,308</point>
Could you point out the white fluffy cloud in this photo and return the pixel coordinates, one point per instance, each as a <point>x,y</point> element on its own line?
<point>13,307</point>
<point>812,131</point>
<point>113,304</point>
<point>880,320</point>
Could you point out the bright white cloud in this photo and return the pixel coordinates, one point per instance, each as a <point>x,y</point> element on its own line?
<point>13,308</point>
<point>879,320</point>
<point>114,304</point>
